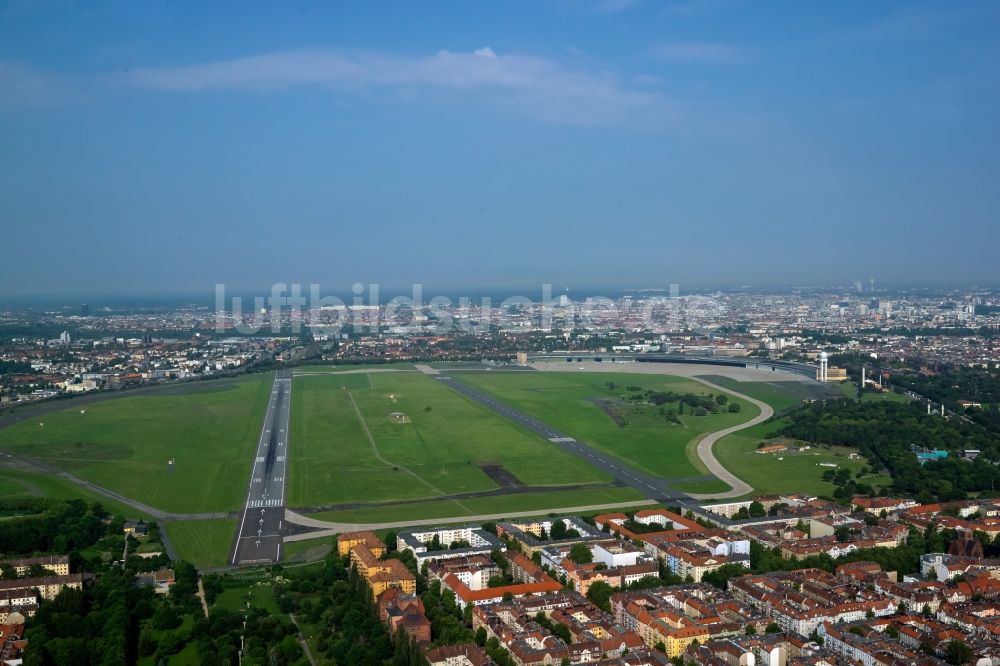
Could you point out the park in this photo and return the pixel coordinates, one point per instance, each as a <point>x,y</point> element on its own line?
<point>391,444</point>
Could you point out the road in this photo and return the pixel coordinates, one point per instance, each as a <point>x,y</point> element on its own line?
<point>325,528</point>
<point>258,540</point>
<point>738,487</point>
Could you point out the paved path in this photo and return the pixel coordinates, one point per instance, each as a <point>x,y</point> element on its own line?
<point>328,528</point>
<point>201,597</point>
<point>258,539</point>
<point>302,640</point>
<point>707,456</point>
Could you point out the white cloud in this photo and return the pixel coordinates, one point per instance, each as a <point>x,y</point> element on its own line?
<point>704,52</point>
<point>23,85</point>
<point>528,85</point>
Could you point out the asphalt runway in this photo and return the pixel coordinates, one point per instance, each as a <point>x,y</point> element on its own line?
<point>260,534</point>
<point>652,487</point>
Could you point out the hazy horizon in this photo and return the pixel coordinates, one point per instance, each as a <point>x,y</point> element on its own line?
<point>161,149</point>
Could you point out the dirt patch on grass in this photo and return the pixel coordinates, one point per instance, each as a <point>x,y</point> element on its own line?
<point>613,409</point>
<point>500,476</point>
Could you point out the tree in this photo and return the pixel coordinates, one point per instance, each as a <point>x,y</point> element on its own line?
<point>720,577</point>
<point>481,636</point>
<point>600,595</point>
<point>772,628</point>
<point>957,653</point>
<point>750,630</point>
<point>497,581</point>
<point>562,631</point>
<point>166,617</point>
<point>580,554</point>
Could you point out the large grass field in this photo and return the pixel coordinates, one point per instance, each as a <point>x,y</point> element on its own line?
<point>16,483</point>
<point>787,471</point>
<point>781,395</point>
<point>569,402</point>
<point>124,444</point>
<point>435,445</point>
<point>203,543</point>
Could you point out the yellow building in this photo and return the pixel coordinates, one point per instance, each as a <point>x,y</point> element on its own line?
<point>833,374</point>
<point>677,640</point>
<point>348,540</point>
<point>381,574</point>
<point>395,574</point>
<point>57,564</point>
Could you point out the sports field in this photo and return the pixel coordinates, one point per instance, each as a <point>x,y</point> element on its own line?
<point>597,408</point>
<point>210,431</point>
<point>389,436</point>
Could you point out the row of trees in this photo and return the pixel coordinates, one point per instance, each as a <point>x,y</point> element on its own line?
<point>59,526</point>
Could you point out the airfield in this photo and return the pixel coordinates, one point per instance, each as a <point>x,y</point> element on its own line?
<point>323,449</point>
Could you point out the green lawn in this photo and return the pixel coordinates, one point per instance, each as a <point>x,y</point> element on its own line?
<point>780,395</point>
<point>786,472</point>
<point>124,444</point>
<point>15,482</point>
<point>313,549</point>
<point>849,389</point>
<point>541,502</point>
<point>204,543</point>
<point>187,656</point>
<point>567,402</point>
<point>258,596</point>
<point>891,396</point>
<point>443,438</point>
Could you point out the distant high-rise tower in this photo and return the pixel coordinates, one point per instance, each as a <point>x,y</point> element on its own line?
<point>824,360</point>
<point>84,310</point>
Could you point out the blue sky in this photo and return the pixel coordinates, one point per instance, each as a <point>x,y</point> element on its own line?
<point>168,146</point>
